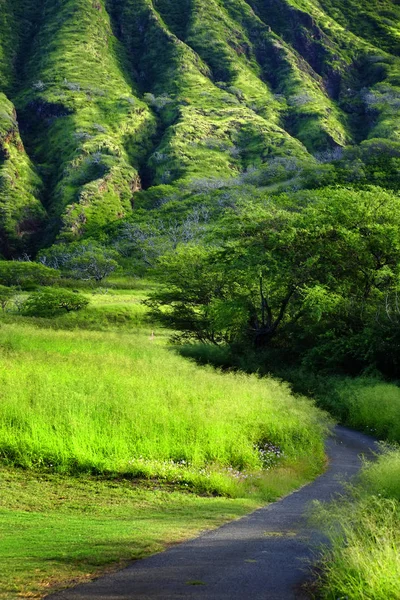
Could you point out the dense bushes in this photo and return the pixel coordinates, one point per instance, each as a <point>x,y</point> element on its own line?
<point>53,302</point>
<point>6,295</point>
<point>26,274</point>
<point>87,260</point>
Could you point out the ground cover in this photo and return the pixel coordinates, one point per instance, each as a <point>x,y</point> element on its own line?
<point>367,404</point>
<point>78,401</point>
<point>363,560</point>
<point>57,530</point>
<point>112,446</point>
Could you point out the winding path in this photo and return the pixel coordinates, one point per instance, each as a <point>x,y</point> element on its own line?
<point>262,556</point>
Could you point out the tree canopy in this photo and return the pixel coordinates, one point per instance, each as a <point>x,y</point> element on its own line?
<point>288,272</point>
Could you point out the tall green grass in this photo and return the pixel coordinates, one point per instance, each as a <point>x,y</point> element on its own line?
<point>122,403</point>
<point>363,561</point>
<point>364,403</point>
<point>382,478</point>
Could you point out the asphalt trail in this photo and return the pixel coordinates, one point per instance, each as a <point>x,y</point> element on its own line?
<point>263,556</point>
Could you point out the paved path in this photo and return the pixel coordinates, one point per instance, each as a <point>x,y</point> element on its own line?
<point>259,557</point>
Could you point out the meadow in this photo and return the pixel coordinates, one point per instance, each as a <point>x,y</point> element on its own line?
<point>57,530</point>
<point>113,446</point>
<point>81,402</point>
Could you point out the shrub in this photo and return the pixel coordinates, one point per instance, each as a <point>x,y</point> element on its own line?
<point>6,294</point>
<point>26,274</point>
<point>53,302</point>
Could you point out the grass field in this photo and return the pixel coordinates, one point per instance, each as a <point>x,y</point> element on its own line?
<point>84,402</point>
<point>112,446</point>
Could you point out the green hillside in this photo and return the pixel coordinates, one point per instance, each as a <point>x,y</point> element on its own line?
<point>102,98</point>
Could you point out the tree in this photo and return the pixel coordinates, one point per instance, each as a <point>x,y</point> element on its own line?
<point>292,269</point>
<point>93,264</point>
<point>51,302</point>
<point>26,274</point>
<point>82,260</point>
<point>149,240</point>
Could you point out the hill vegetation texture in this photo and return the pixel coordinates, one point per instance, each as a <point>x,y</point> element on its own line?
<point>100,99</point>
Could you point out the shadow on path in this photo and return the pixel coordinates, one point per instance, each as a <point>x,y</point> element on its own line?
<point>262,556</point>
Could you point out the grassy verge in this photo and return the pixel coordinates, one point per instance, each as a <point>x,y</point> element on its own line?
<point>363,560</point>
<point>368,404</point>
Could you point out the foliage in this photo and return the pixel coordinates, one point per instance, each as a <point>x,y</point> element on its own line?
<point>146,240</point>
<point>52,302</point>
<point>6,294</point>
<point>82,260</point>
<point>26,274</point>
<point>305,269</point>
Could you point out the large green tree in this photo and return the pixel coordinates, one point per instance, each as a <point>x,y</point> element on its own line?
<point>303,266</point>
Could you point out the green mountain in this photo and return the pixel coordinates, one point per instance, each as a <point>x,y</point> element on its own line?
<point>100,99</point>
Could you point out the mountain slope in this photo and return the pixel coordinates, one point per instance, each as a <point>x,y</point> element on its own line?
<point>100,98</point>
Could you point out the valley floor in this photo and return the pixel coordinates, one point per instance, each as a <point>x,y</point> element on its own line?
<point>113,447</point>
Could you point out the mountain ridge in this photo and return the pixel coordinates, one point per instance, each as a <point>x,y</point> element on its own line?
<point>100,99</point>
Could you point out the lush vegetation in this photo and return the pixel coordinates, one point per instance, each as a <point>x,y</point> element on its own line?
<point>245,156</point>
<point>364,558</point>
<point>79,402</point>
<point>100,100</point>
<point>131,446</point>
<point>366,403</point>
<point>309,278</point>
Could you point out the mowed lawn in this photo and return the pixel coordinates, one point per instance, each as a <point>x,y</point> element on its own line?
<point>57,530</point>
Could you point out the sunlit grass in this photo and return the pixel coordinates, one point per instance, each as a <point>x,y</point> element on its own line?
<point>367,404</point>
<point>382,477</point>
<point>363,561</point>
<point>57,530</point>
<point>122,403</point>
<point>104,433</point>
